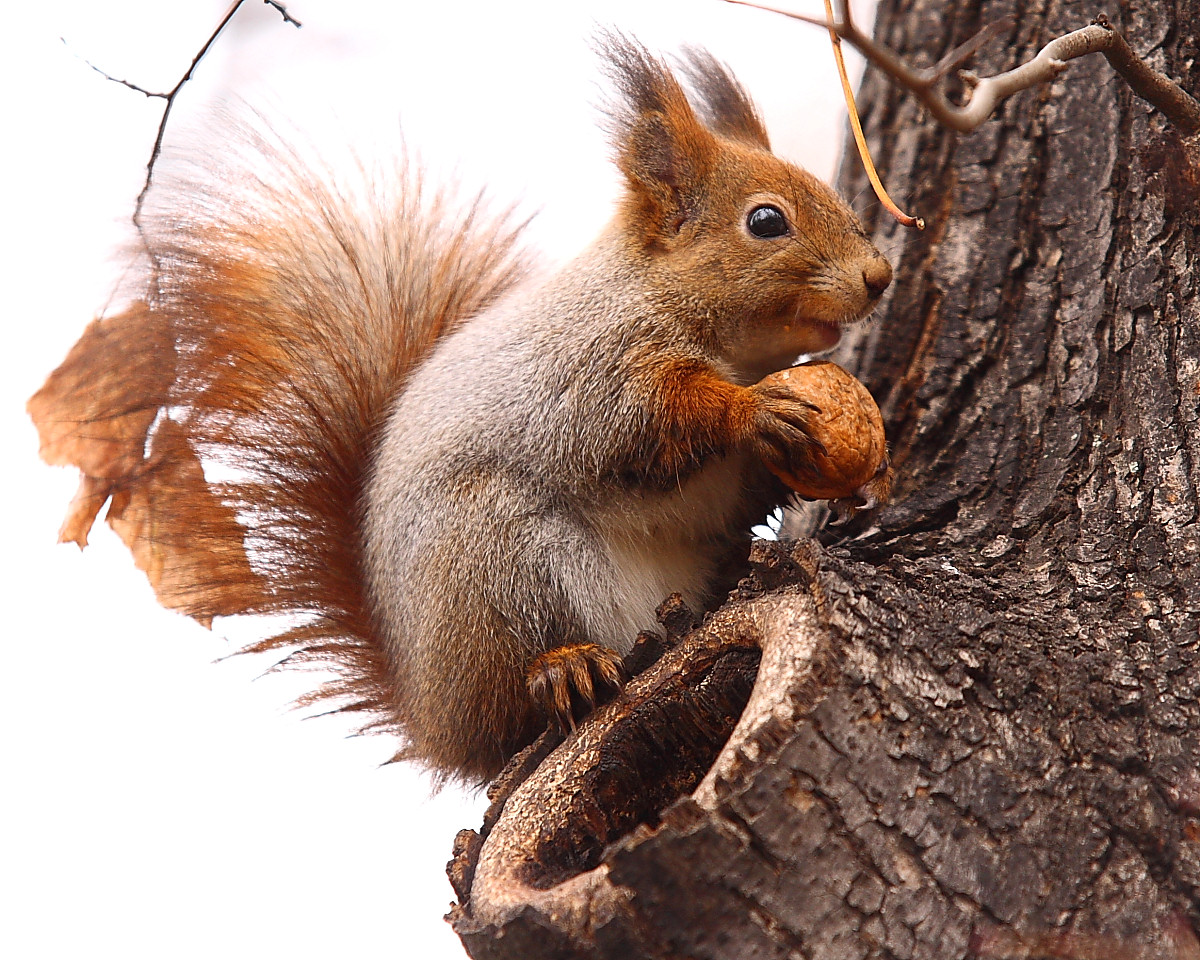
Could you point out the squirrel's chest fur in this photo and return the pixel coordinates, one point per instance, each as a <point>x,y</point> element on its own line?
<point>663,542</point>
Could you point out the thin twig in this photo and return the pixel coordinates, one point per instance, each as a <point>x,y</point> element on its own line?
<point>1176,104</point>
<point>967,49</point>
<point>282,11</point>
<point>108,76</point>
<point>1158,90</point>
<point>171,95</point>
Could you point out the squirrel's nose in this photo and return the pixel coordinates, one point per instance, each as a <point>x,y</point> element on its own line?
<point>877,274</point>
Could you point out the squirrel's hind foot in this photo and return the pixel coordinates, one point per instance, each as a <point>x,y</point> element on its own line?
<point>564,681</point>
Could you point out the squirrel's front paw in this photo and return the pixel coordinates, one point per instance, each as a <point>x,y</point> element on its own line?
<point>563,680</point>
<point>843,456</point>
<point>783,436</point>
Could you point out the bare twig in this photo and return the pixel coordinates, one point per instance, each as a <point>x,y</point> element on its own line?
<point>108,76</point>
<point>1156,89</point>
<point>171,95</point>
<point>967,49</point>
<point>282,11</point>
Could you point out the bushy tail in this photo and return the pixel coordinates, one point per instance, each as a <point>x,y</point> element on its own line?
<point>229,413</point>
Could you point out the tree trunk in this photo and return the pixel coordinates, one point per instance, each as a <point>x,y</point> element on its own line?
<point>975,727</point>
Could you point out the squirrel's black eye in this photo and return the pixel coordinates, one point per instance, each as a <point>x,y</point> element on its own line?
<point>767,221</point>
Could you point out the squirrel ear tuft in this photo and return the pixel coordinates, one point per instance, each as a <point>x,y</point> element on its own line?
<point>723,103</point>
<point>662,147</point>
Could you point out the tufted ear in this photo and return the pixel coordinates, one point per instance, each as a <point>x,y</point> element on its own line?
<point>723,102</point>
<point>663,149</point>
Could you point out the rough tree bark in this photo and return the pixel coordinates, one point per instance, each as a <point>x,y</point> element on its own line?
<point>976,725</point>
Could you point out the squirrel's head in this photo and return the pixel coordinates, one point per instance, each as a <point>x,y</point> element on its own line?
<point>774,263</point>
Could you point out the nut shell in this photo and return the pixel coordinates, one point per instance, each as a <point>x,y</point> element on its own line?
<point>846,422</point>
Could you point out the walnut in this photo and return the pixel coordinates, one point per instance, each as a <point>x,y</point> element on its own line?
<point>852,468</point>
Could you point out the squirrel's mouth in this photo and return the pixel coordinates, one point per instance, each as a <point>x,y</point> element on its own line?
<point>775,346</point>
<point>817,335</point>
<point>826,334</point>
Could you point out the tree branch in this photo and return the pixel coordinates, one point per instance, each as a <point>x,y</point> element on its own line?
<point>988,92</point>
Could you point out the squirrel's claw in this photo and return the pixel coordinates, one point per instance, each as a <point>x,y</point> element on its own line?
<point>874,493</point>
<point>563,680</point>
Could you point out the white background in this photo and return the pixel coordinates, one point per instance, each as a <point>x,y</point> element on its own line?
<point>155,804</point>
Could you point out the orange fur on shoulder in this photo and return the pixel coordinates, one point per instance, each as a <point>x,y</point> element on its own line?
<point>696,413</point>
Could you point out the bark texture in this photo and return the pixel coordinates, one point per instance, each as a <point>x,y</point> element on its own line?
<point>975,730</point>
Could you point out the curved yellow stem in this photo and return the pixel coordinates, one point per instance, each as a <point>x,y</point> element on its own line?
<point>856,126</point>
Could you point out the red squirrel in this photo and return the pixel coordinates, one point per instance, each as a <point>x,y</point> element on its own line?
<point>467,489</point>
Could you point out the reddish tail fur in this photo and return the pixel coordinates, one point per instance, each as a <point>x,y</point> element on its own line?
<point>237,361</point>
